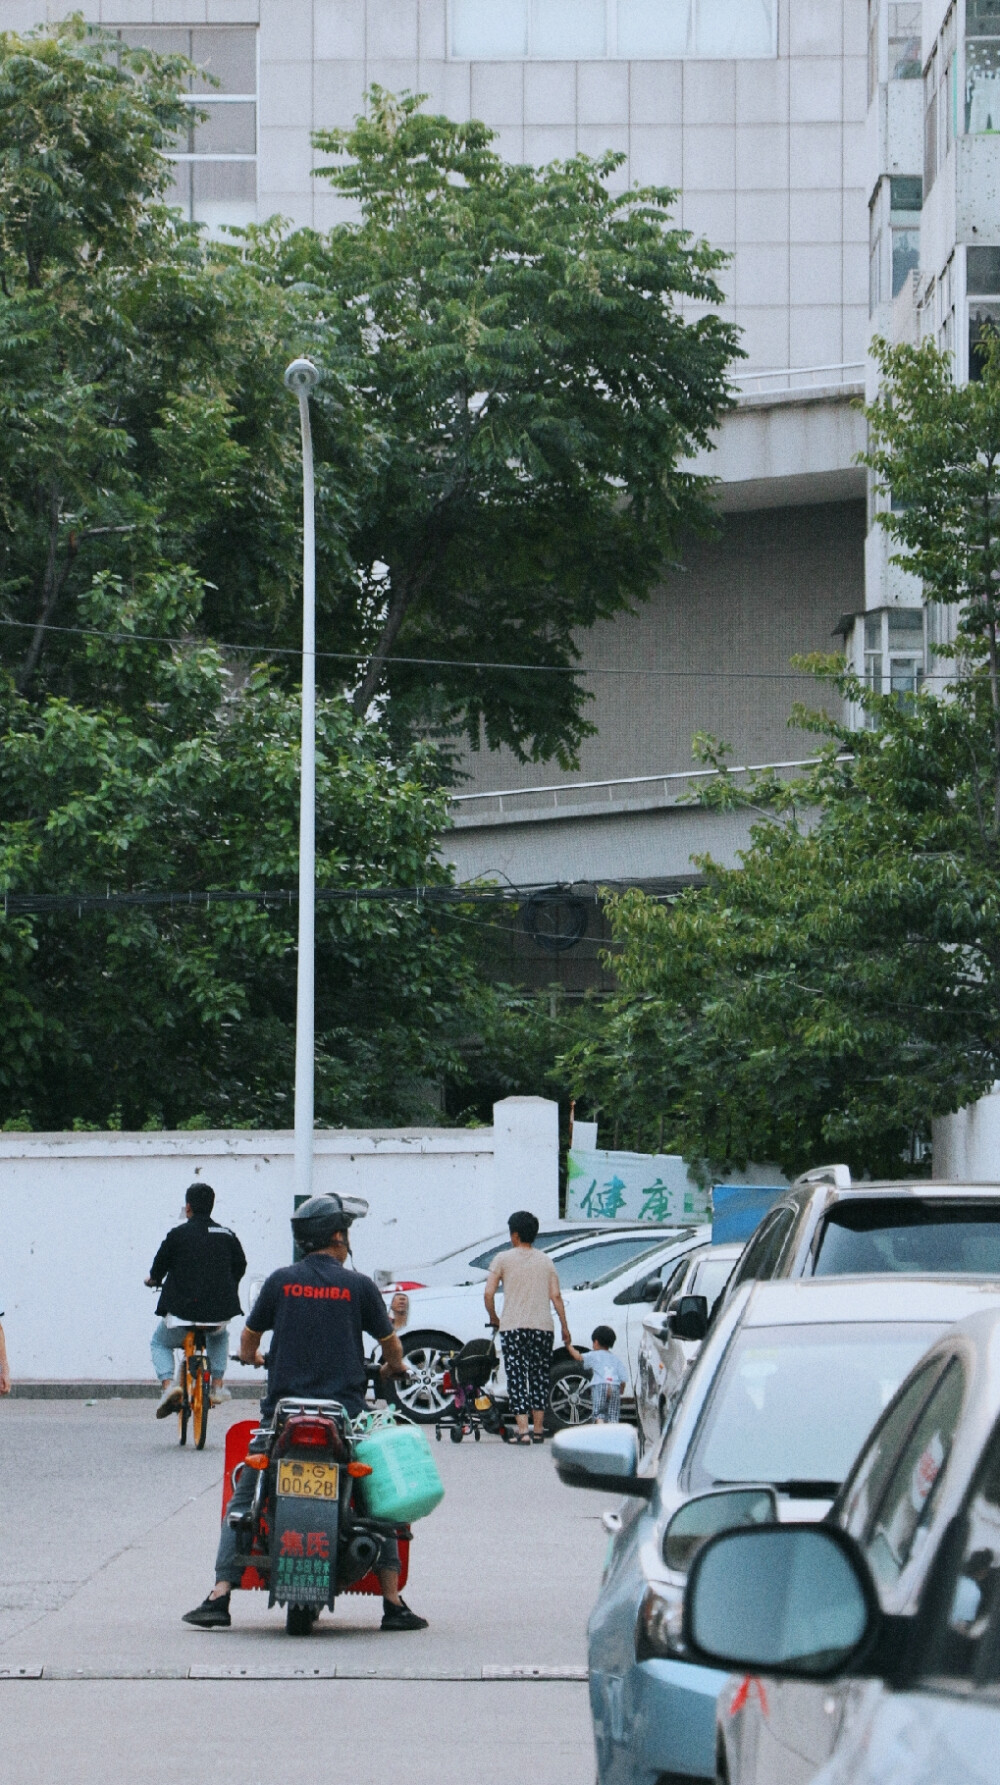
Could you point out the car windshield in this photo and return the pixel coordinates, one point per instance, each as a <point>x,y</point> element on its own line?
<point>673,1246</point>
<point>593,1264</point>
<point>904,1235</point>
<point>711,1277</point>
<point>793,1404</point>
<point>544,1242</point>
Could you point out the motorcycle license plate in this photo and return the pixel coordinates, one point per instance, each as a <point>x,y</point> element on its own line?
<point>308,1481</point>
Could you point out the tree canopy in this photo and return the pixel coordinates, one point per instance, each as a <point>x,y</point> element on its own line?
<point>838,990</point>
<point>529,385</point>
<point>149,501</point>
<point>168,1012</point>
<point>509,383</point>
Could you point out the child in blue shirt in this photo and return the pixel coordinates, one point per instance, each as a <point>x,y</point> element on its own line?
<point>608,1375</point>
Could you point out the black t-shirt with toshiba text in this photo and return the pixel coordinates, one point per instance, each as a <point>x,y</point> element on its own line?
<point>317,1313</point>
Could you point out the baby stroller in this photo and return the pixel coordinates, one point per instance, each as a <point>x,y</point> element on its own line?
<point>474,1408</point>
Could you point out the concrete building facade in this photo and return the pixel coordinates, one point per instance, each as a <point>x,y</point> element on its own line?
<point>757,112</point>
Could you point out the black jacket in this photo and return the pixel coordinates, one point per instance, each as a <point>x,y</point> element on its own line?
<point>199,1264</point>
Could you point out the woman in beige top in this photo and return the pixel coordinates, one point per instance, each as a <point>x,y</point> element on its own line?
<point>530,1292</point>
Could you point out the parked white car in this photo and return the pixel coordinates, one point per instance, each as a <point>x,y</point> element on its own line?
<point>786,1388</point>
<point>883,1660</point>
<point>668,1346</point>
<point>599,1289</point>
<point>470,1263</point>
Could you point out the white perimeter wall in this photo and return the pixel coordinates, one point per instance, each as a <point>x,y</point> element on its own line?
<point>967,1145</point>
<point>81,1216</point>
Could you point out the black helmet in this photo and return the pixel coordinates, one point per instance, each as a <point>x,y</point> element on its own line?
<point>315,1222</point>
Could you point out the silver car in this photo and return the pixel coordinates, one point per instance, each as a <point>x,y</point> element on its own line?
<point>827,1226</point>
<point>786,1387</point>
<point>872,1643</point>
<point>672,1335</point>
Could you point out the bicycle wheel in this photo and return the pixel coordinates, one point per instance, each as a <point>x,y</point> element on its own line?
<point>184,1410</point>
<point>200,1403</point>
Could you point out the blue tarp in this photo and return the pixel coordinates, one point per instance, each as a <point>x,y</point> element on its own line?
<point>738,1208</point>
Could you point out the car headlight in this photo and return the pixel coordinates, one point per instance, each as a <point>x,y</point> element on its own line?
<point>658,1626</point>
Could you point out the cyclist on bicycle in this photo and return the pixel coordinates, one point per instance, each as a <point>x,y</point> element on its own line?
<point>198,1269</point>
<point>317,1312</point>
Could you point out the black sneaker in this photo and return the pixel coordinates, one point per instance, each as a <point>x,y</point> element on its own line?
<point>211,1614</point>
<point>400,1617</point>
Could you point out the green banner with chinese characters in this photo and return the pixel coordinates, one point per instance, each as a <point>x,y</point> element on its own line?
<point>604,1186</point>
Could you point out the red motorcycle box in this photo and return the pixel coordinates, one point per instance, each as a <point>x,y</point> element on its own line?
<point>237,1445</point>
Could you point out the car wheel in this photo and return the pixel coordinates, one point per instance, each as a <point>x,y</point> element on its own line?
<point>569,1397</point>
<point>421,1393</point>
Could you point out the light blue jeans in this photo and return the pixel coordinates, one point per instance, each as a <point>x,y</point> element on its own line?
<point>168,1339</point>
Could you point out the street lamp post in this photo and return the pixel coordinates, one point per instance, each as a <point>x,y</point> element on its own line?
<point>301,378</point>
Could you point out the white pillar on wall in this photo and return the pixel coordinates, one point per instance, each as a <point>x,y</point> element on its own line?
<point>526,1158</point>
<point>967,1144</point>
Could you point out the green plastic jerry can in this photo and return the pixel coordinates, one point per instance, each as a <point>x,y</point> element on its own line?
<point>404,1483</point>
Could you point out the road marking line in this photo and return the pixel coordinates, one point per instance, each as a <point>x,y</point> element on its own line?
<point>112,1673</point>
<point>262,1673</point>
<point>532,1671</point>
<point>518,1674</point>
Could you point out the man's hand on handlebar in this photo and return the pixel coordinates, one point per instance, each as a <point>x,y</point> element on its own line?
<point>393,1365</point>
<point>393,1372</point>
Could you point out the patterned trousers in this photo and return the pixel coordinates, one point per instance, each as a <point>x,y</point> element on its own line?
<point>527,1359</point>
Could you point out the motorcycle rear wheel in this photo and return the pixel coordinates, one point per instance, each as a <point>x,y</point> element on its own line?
<point>299,1619</point>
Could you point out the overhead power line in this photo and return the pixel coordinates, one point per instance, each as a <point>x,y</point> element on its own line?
<point>24,903</point>
<point>358,657</point>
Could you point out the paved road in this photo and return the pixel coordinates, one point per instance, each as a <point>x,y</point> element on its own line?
<point>107,1535</point>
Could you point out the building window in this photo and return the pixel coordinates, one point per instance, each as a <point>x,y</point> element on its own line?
<point>590,30</point>
<point>930,121</point>
<point>904,43</point>
<point>215,157</point>
<point>893,237</point>
<point>982,66</point>
<point>894,651</point>
<point>874,266</point>
<point>905,201</point>
<point>940,99</point>
<point>982,284</point>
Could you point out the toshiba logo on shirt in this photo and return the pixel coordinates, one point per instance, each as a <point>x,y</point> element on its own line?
<point>317,1294</point>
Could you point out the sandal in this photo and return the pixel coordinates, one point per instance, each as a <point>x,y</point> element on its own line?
<point>538,1437</point>
<point>522,1438</point>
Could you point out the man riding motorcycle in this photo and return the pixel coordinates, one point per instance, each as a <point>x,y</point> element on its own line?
<point>317,1312</point>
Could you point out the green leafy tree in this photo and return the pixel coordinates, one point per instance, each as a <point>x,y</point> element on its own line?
<point>149,502</point>
<point>529,386</point>
<point>143,422</point>
<point>175,1012</point>
<point>840,988</point>
<point>508,386</point>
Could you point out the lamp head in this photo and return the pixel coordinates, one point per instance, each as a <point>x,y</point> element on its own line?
<point>301,377</point>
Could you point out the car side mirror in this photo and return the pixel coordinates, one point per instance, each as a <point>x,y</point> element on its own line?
<point>689,1319</point>
<point>646,1290</point>
<point>722,1509</point>
<point>604,1457</point>
<point>657,1324</point>
<point>796,1601</point>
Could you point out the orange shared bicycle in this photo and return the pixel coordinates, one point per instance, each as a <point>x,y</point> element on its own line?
<point>196,1387</point>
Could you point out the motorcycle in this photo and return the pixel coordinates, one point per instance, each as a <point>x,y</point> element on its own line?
<point>305,1536</point>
